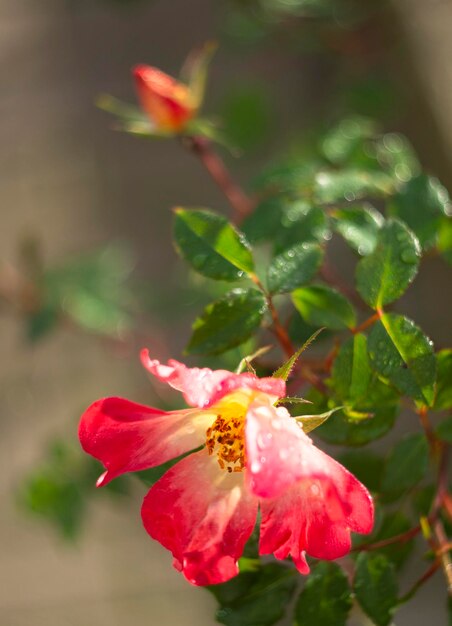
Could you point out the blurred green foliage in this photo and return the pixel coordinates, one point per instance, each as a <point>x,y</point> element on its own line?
<point>58,489</point>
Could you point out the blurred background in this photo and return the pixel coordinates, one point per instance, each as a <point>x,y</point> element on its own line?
<point>77,197</point>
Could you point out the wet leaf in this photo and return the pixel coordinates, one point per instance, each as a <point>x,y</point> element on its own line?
<point>375,587</point>
<point>211,245</point>
<point>359,227</point>
<point>227,322</point>
<point>320,305</point>
<point>384,275</point>
<point>265,220</point>
<point>444,430</point>
<point>346,431</point>
<point>301,221</point>
<point>443,395</point>
<point>255,598</point>
<point>406,464</point>
<point>326,598</point>
<point>421,203</point>
<point>294,267</point>
<point>366,466</point>
<point>402,354</point>
<point>342,143</point>
<point>349,184</point>
<point>351,374</point>
<point>394,523</point>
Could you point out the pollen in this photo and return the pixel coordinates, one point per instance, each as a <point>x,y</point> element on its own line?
<point>226,439</point>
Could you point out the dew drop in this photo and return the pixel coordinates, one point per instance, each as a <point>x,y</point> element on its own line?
<point>255,467</point>
<point>276,424</point>
<point>264,440</point>
<point>409,256</point>
<point>283,454</point>
<point>314,489</point>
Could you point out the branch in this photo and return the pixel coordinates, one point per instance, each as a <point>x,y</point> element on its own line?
<point>237,198</point>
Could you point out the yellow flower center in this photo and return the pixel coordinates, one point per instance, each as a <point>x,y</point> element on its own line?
<point>226,436</point>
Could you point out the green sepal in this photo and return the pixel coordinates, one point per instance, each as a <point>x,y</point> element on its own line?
<point>130,118</point>
<point>311,422</point>
<point>285,370</point>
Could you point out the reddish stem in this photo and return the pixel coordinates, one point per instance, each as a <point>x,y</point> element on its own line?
<point>400,538</point>
<point>237,198</point>
<point>368,323</point>
<point>278,328</point>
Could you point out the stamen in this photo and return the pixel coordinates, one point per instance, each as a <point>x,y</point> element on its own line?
<point>226,438</point>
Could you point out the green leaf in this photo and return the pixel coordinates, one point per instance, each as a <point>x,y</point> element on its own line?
<point>320,305</point>
<point>42,322</point>
<point>347,431</point>
<point>255,598</point>
<point>341,429</point>
<point>395,153</point>
<point>351,374</point>
<point>384,275</point>
<point>344,140</point>
<point>394,523</point>
<point>349,184</point>
<point>359,226</point>
<point>246,115</point>
<point>445,239</point>
<point>294,267</point>
<point>57,490</point>
<point>265,220</point>
<point>365,465</point>
<point>421,203</point>
<point>375,587</point>
<point>211,245</point>
<point>285,370</point>
<point>443,396</point>
<point>326,599</point>
<point>402,354</point>
<point>300,222</point>
<point>91,290</point>
<point>227,322</point>
<point>310,422</point>
<point>406,464</point>
<point>444,430</point>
